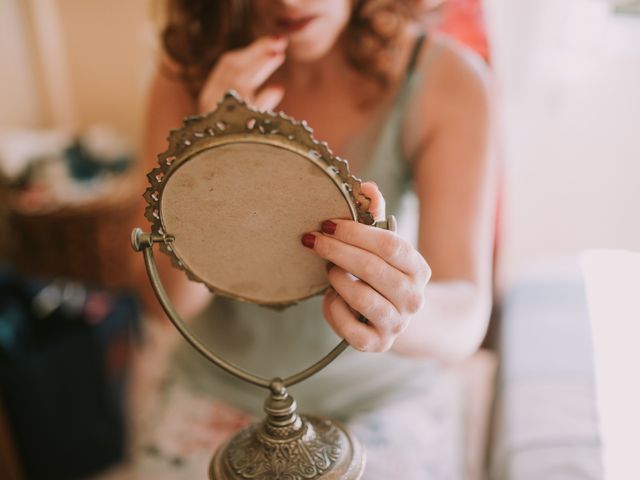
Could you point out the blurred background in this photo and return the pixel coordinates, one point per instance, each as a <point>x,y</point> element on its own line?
<point>73,77</point>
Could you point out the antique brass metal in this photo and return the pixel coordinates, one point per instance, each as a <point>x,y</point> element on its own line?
<point>285,445</point>
<point>259,176</point>
<point>289,446</point>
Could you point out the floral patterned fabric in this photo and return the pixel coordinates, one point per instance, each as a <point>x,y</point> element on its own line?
<point>420,436</point>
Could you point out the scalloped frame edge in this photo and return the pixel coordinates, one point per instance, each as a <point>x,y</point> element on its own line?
<point>233,116</point>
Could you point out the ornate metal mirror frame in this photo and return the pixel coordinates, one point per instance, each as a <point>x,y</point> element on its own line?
<point>212,219</point>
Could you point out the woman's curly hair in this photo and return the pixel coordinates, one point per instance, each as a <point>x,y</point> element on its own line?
<point>198,32</point>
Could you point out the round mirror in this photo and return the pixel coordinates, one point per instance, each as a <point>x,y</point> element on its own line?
<point>235,192</point>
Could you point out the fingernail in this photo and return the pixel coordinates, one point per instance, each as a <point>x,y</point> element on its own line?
<point>309,240</point>
<point>329,227</point>
<point>329,266</point>
<point>280,41</point>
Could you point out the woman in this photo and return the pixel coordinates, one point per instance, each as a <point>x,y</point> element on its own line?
<point>404,109</point>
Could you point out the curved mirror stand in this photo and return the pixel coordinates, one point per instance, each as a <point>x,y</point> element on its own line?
<point>231,182</point>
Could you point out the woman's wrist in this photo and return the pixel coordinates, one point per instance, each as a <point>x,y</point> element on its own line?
<point>451,324</point>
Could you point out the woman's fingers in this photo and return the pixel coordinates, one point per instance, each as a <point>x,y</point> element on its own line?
<point>342,236</point>
<point>259,49</point>
<point>366,266</point>
<point>253,65</point>
<point>256,73</point>
<point>377,207</point>
<point>345,324</point>
<point>250,59</point>
<point>381,312</point>
<point>396,251</point>
<point>269,97</point>
<point>245,71</point>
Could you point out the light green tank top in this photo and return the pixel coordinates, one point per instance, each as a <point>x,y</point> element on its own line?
<point>278,343</point>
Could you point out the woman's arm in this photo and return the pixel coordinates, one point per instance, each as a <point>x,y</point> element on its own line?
<point>454,176</point>
<point>380,276</point>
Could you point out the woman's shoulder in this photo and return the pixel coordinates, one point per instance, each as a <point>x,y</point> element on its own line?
<point>450,72</point>
<point>455,57</point>
<point>453,82</point>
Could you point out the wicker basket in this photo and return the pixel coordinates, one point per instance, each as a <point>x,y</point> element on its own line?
<point>88,243</point>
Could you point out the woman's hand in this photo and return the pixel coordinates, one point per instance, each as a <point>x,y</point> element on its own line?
<point>246,70</point>
<point>373,274</point>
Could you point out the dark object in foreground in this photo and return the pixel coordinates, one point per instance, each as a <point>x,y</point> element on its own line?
<point>63,371</point>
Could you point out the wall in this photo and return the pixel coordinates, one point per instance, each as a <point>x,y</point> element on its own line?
<point>20,100</point>
<point>73,63</point>
<point>568,74</point>
<point>109,55</point>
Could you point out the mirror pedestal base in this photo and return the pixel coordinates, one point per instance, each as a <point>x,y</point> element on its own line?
<point>289,446</point>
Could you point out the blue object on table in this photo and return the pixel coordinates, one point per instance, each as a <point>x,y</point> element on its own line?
<point>85,166</point>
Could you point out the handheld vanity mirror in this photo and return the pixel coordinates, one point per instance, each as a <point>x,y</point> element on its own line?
<point>229,201</point>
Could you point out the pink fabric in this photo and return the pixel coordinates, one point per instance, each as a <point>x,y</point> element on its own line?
<point>464,21</point>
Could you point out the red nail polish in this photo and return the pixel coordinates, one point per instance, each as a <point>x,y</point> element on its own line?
<point>309,240</point>
<point>329,227</point>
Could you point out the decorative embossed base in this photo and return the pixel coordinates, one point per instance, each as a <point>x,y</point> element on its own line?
<point>320,449</point>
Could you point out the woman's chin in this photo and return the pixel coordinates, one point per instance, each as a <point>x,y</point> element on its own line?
<point>308,51</point>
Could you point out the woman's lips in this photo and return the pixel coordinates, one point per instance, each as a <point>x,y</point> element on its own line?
<point>293,25</point>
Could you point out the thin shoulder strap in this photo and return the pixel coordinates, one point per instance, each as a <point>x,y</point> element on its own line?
<point>415,54</point>
<point>409,81</point>
<point>417,70</point>
<point>388,163</point>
